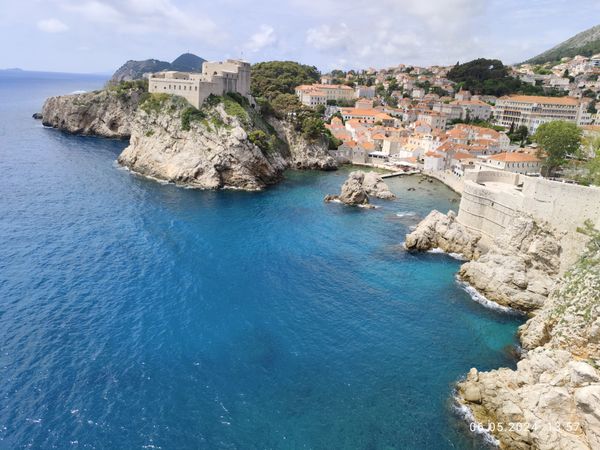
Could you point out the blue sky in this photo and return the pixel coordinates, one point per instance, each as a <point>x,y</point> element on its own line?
<point>99,35</point>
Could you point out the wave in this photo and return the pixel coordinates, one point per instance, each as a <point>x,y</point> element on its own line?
<point>458,256</point>
<point>467,415</point>
<point>406,214</point>
<point>479,298</point>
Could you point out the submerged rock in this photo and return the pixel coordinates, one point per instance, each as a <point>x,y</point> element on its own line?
<point>442,231</point>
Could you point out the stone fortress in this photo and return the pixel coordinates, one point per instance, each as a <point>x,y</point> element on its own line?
<point>491,199</point>
<point>217,78</point>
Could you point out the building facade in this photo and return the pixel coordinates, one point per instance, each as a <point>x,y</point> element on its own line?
<point>532,111</point>
<point>217,78</point>
<point>320,94</point>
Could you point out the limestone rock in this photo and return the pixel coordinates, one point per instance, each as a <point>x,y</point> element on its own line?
<point>214,153</point>
<point>520,268</point>
<point>376,187</point>
<point>359,187</point>
<point>440,230</point>
<point>555,389</point>
<point>303,153</point>
<point>107,113</point>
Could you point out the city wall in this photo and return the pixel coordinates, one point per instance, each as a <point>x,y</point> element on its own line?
<point>491,200</point>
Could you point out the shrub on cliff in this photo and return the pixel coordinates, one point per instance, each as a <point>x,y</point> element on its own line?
<point>189,115</point>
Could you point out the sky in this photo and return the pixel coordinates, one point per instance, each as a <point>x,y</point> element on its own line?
<point>98,36</point>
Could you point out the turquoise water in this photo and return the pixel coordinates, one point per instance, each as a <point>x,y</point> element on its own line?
<point>141,315</point>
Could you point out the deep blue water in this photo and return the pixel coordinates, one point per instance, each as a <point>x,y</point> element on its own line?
<point>140,315</point>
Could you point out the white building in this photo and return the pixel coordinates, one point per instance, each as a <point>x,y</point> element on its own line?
<point>217,78</point>
<point>320,94</point>
<point>532,111</point>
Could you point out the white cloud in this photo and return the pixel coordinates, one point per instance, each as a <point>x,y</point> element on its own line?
<point>264,37</point>
<point>326,37</point>
<point>52,26</point>
<point>146,17</point>
<point>388,32</point>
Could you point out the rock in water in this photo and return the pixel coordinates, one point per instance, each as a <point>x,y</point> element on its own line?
<point>376,187</point>
<point>442,231</point>
<point>353,191</point>
<point>359,186</point>
<point>37,116</point>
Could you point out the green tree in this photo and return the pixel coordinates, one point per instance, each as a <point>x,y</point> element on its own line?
<point>519,135</point>
<point>557,140</point>
<point>272,78</point>
<point>313,128</point>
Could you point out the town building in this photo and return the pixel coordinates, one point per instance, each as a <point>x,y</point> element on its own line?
<point>321,94</point>
<point>516,162</point>
<point>532,111</point>
<point>217,78</point>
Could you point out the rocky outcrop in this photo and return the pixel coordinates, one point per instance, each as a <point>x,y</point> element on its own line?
<point>376,187</point>
<point>521,266</point>
<point>353,192</point>
<point>209,149</point>
<point>359,186</point>
<point>107,113</point>
<point>304,154</point>
<point>552,399</point>
<point>442,231</point>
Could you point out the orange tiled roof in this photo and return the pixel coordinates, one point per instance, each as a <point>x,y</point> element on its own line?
<point>515,157</point>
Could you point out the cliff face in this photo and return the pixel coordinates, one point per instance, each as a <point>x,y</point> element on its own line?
<point>207,149</point>
<point>303,154</point>
<point>552,399</point>
<point>520,267</point>
<point>107,113</point>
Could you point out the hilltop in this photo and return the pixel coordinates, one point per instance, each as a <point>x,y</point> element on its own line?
<point>586,43</point>
<point>134,70</point>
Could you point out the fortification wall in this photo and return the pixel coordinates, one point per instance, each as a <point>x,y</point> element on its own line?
<point>489,208</point>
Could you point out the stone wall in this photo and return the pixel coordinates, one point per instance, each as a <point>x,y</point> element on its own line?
<point>491,200</point>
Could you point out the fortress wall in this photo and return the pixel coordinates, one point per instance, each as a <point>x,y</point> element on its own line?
<point>489,209</point>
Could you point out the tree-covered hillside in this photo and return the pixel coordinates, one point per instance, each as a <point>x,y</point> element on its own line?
<point>586,43</point>
<point>272,78</point>
<point>491,77</point>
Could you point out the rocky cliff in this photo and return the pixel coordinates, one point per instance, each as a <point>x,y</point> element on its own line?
<point>225,144</point>
<point>303,153</point>
<point>552,399</point>
<point>219,146</point>
<point>520,268</point>
<point>107,113</point>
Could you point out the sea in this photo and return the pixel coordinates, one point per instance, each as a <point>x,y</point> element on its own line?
<point>140,315</point>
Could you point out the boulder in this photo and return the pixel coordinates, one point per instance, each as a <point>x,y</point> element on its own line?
<point>442,231</point>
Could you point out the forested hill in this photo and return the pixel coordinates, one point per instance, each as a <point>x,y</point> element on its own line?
<point>586,43</point>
